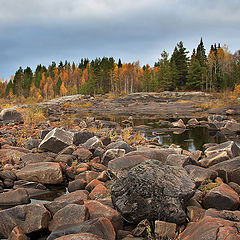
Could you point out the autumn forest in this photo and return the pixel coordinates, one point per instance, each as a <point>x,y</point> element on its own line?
<point>218,70</point>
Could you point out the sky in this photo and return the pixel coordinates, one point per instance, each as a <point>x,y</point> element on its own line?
<point>36,32</point>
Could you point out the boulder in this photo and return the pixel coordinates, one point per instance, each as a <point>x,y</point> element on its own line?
<point>211,228</point>
<point>119,145</point>
<point>81,137</point>
<point>230,147</point>
<point>165,230</point>
<point>7,175</point>
<point>97,209</point>
<point>228,170</point>
<point>82,154</point>
<point>221,198</point>
<point>93,143</point>
<point>111,154</point>
<point>88,176</point>
<point>179,160</point>
<point>14,197</point>
<point>232,126</point>
<point>65,158</point>
<point>120,166</point>
<point>80,236</point>
<point>179,124</point>
<point>79,195</point>
<point>10,115</point>
<point>44,172</point>
<point>193,122</point>
<point>31,143</point>
<point>93,184</point>
<point>29,218</point>
<point>152,191</point>
<point>214,159</point>
<point>35,158</point>
<point>101,227</point>
<point>56,140</point>
<point>199,174</point>
<point>215,118</point>
<point>71,214</point>
<point>143,229</point>
<point>78,184</point>
<point>100,191</point>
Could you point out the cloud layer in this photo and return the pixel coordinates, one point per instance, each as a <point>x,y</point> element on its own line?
<point>34,32</point>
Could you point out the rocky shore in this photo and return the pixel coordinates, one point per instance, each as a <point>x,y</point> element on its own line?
<point>116,187</point>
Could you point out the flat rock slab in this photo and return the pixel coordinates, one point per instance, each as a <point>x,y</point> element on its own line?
<point>79,195</point>
<point>29,218</point>
<point>56,140</point>
<point>152,191</point>
<point>80,236</point>
<point>44,172</point>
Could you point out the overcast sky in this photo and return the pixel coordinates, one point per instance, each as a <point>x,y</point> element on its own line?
<point>36,32</point>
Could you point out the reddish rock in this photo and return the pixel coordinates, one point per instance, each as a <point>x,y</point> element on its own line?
<point>65,158</point>
<point>98,167</point>
<point>82,154</point>
<point>95,160</point>
<point>97,209</point>
<point>87,176</point>
<point>17,234</point>
<point>78,184</point>
<point>71,214</point>
<point>103,176</point>
<point>29,218</point>
<point>81,170</point>
<point>44,172</point>
<point>98,192</point>
<point>93,184</point>
<point>101,227</point>
<point>80,236</point>
<point>221,198</point>
<point>165,230</point>
<point>79,195</point>
<point>211,228</point>
<point>14,197</point>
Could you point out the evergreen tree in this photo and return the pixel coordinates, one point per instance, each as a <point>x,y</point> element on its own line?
<point>179,65</point>
<point>17,82</point>
<point>194,77</point>
<point>27,81</point>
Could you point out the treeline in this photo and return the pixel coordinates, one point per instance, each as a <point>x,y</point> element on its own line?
<point>216,71</point>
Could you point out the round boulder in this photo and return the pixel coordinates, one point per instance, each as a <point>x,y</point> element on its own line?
<point>153,191</point>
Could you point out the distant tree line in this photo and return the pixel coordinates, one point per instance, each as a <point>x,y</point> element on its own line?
<point>216,71</point>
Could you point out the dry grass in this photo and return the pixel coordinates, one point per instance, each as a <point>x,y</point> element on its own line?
<point>131,137</point>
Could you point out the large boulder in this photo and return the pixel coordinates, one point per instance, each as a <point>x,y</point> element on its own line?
<point>93,143</point>
<point>10,115</point>
<point>80,236</point>
<point>153,191</point>
<point>119,145</point>
<point>44,172</point>
<point>81,137</point>
<point>228,170</point>
<point>214,159</point>
<point>100,227</point>
<point>14,197</point>
<point>56,140</point>
<point>30,218</point>
<point>230,147</point>
<point>79,195</point>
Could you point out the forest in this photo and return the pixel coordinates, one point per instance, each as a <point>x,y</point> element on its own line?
<point>216,71</point>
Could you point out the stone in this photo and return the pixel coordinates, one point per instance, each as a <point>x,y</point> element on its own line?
<point>44,172</point>
<point>79,195</point>
<point>217,118</point>
<point>179,160</point>
<point>7,175</point>
<point>17,234</point>
<point>68,150</point>
<point>93,184</point>
<point>101,227</point>
<point>230,147</point>
<point>32,188</point>
<point>71,214</point>
<point>14,197</point>
<point>228,170</point>
<point>221,198</point>
<point>235,187</point>
<point>120,166</point>
<point>179,124</point>
<point>42,133</point>
<point>65,158</point>
<point>88,176</point>
<point>111,154</point>
<point>224,214</point>
<point>98,167</point>
<point>31,143</point>
<point>10,115</point>
<point>230,112</point>
<point>93,143</point>
<point>8,183</point>
<point>80,236</point>
<point>98,152</point>
<point>165,230</point>
<point>97,209</point>
<point>81,137</point>
<point>83,154</point>
<point>78,184</point>
<point>119,145</point>
<point>199,174</point>
<point>214,159</point>
<point>211,228</point>
<point>99,192</point>
<point>56,140</point>
<point>160,154</point>
<point>152,191</point>
<point>29,218</point>
<point>103,176</point>
<point>193,122</point>
<point>35,158</point>
<point>232,126</point>
<point>143,229</point>
<point>195,213</point>
<point>196,155</point>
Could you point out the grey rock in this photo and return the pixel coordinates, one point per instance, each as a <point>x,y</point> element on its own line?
<point>93,143</point>
<point>119,145</point>
<point>65,158</point>
<point>56,140</point>
<point>31,143</point>
<point>218,118</point>
<point>10,114</point>
<point>180,160</point>
<point>152,191</point>
<point>81,137</point>
<point>111,154</point>
<point>35,158</point>
<point>7,175</point>
<point>214,159</point>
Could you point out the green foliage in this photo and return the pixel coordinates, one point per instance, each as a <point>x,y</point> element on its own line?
<point>208,185</point>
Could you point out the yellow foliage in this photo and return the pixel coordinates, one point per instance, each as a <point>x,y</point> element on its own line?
<point>33,114</point>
